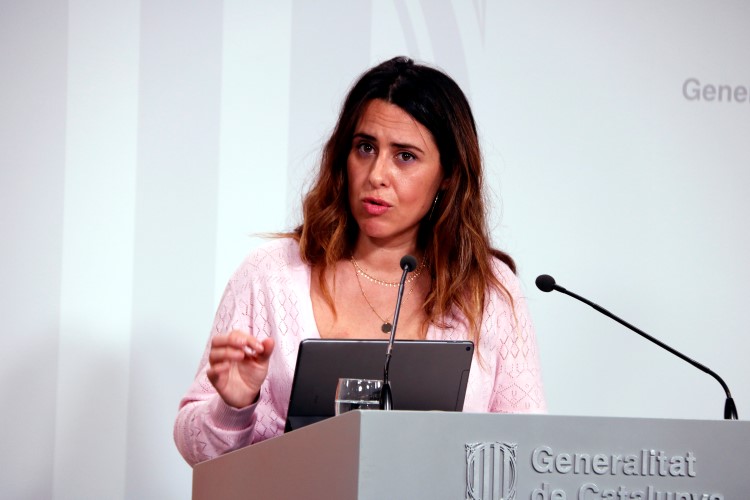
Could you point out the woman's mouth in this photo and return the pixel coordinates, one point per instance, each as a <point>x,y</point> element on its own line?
<point>375,206</point>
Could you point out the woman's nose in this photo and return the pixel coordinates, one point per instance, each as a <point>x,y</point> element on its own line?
<point>379,171</point>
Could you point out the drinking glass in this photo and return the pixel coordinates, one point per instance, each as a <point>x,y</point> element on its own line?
<point>357,394</point>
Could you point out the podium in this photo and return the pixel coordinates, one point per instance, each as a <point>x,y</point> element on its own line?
<point>434,455</point>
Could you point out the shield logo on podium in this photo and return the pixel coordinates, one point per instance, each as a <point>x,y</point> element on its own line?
<point>491,471</point>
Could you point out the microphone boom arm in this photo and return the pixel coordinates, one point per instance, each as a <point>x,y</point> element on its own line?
<point>408,264</point>
<point>730,410</point>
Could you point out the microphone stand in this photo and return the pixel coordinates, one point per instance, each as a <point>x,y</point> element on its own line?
<point>408,264</point>
<point>730,410</point>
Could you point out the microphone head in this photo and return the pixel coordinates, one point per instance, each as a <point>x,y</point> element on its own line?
<point>408,263</point>
<point>545,282</point>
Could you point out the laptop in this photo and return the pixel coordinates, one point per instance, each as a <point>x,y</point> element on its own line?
<point>425,375</point>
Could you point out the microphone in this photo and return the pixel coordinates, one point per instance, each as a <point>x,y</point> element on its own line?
<point>546,283</point>
<point>408,264</point>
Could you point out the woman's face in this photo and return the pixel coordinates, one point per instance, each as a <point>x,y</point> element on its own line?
<point>394,173</point>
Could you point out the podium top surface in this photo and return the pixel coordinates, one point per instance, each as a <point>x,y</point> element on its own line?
<point>490,456</point>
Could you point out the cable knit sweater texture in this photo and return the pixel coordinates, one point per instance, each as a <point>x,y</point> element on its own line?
<point>269,296</point>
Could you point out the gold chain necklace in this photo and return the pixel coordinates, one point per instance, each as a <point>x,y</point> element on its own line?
<point>386,326</point>
<point>361,272</point>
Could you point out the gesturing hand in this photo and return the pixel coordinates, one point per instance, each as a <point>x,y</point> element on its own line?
<point>238,367</point>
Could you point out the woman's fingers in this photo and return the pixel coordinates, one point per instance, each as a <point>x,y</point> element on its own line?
<point>235,346</point>
<point>219,368</point>
<point>238,364</point>
<point>238,340</point>
<point>267,346</point>
<point>216,355</point>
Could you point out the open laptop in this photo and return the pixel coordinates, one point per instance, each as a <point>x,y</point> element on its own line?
<point>424,374</point>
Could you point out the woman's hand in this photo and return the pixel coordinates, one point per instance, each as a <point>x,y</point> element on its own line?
<point>238,366</point>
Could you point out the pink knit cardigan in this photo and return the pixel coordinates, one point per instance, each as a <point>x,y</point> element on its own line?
<point>269,295</point>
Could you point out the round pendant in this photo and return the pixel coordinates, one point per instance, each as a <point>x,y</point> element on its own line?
<point>386,327</point>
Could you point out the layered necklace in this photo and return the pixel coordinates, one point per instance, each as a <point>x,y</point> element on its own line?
<point>359,271</point>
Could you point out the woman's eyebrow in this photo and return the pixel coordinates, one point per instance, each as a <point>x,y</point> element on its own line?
<point>397,145</point>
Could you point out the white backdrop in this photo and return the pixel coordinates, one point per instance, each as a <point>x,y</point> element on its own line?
<point>143,143</point>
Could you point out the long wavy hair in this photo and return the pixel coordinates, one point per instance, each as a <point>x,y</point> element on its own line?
<point>453,236</point>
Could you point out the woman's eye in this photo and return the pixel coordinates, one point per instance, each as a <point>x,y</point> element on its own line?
<point>406,156</point>
<point>366,148</point>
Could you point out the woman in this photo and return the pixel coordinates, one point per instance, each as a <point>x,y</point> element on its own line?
<point>401,174</point>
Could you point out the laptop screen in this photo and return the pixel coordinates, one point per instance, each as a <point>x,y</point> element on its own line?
<point>425,375</point>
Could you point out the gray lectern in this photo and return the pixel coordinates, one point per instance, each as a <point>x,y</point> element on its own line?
<point>416,455</point>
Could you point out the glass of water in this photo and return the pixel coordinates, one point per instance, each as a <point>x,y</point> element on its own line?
<point>357,394</point>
